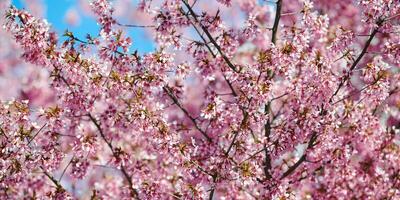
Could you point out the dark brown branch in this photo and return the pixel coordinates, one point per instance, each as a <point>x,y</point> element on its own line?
<point>236,133</point>
<point>205,42</point>
<point>212,40</point>
<point>355,63</point>
<point>212,193</point>
<point>360,90</point>
<point>280,96</point>
<point>71,36</point>
<point>176,102</point>
<point>276,21</point>
<point>58,76</point>
<point>58,185</point>
<point>3,133</point>
<point>344,55</point>
<point>65,169</point>
<point>212,53</point>
<point>37,133</point>
<point>202,169</point>
<point>310,144</point>
<point>230,85</point>
<point>267,126</point>
<point>135,26</point>
<point>101,132</point>
<point>133,191</point>
<point>52,179</point>
<point>294,167</point>
<point>267,160</point>
<point>214,177</point>
<point>253,155</point>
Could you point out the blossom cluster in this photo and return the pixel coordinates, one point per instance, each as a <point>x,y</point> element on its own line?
<point>291,101</point>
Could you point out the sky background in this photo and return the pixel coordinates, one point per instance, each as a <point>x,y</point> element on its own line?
<point>55,11</point>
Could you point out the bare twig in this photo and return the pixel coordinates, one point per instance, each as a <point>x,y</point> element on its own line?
<point>135,26</point>
<point>52,179</point>
<point>169,92</point>
<point>212,189</point>
<point>310,144</point>
<point>235,134</point>
<point>276,21</point>
<point>355,63</point>
<point>360,90</point>
<point>267,126</point>
<point>208,34</point>
<point>3,133</point>
<point>253,155</point>
<point>205,42</point>
<point>133,191</point>
<point>65,169</point>
<point>267,159</point>
<point>37,133</point>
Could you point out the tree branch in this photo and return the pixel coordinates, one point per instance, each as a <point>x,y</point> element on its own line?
<point>135,26</point>
<point>276,21</point>
<point>310,144</point>
<point>37,133</point>
<point>65,169</point>
<point>267,160</point>
<point>212,190</point>
<point>267,126</point>
<point>355,63</point>
<point>360,90</point>
<point>133,191</point>
<point>201,35</point>
<point>212,40</point>
<point>236,133</point>
<point>3,133</point>
<point>176,102</point>
<point>52,179</point>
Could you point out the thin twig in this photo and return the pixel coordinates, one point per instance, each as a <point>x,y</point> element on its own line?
<point>135,26</point>
<point>230,85</point>
<point>65,169</point>
<point>176,102</point>
<point>362,89</point>
<point>52,179</point>
<point>37,133</point>
<point>253,155</point>
<point>133,191</point>
<point>278,97</point>
<point>212,190</point>
<point>355,63</point>
<point>276,21</point>
<point>212,40</point>
<point>3,133</point>
<point>310,144</point>
<point>267,159</point>
<point>267,126</point>
<point>205,42</point>
<point>235,134</point>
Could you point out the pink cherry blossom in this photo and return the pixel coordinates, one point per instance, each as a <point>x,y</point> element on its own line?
<point>240,100</point>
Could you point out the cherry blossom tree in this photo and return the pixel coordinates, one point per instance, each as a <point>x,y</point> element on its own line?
<point>245,99</point>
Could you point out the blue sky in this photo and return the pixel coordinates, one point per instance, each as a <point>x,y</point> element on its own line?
<point>56,10</point>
